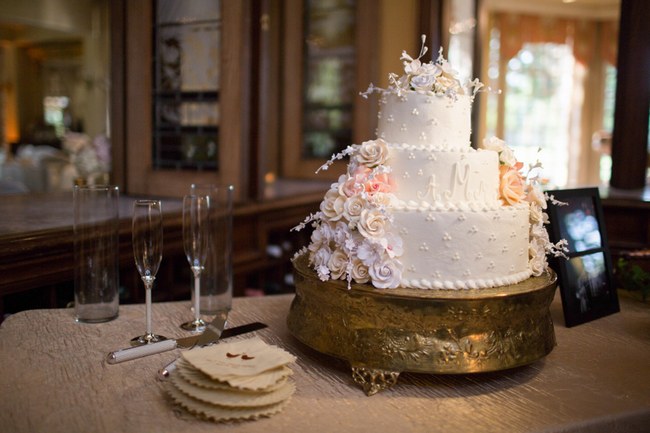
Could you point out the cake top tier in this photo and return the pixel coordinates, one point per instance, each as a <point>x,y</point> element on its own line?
<point>427,106</point>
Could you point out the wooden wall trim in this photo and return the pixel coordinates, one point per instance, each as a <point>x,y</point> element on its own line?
<point>630,136</point>
<point>117,97</point>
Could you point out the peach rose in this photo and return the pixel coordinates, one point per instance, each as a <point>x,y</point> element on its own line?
<point>511,188</point>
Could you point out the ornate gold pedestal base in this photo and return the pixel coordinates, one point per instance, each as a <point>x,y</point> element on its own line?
<point>382,333</point>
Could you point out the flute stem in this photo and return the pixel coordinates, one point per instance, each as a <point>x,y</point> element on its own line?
<point>197,294</point>
<point>148,284</point>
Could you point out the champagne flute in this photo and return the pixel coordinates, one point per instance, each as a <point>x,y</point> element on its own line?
<point>147,231</point>
<point>196,234</point>
<point>216,277</point>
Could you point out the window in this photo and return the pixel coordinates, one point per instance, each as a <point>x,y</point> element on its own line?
<point>556,95</point>
<point>539,81</point>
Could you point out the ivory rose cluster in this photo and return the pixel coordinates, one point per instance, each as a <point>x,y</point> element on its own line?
<point>514,189</point>
<point>353,236</point>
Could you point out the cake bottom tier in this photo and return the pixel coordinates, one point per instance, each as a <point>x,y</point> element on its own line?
<point>382,333</point>
<point>463,249</point>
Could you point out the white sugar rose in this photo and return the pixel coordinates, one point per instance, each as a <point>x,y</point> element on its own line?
<point>536,195</point>
<point>338,264</point>
<point>320,237</point>
<point>353,207</point>
<point>538,231</point>
<point>429,69</point>
<point>506,154</point>
<point>382,199</point>
<point>385,274</point>
<point>536,214</point>
<point>447,83</point>
<point>423,83</point>
<point>507,157</point>
<point>372,223</point>
<point>372,153</point>
<point>359,272</point>
<point>493,143</point>
<point>411,67</point>
<point>332,205</point>
<point>340,184</point>
<point>320,256</point>
<point>537,254</point>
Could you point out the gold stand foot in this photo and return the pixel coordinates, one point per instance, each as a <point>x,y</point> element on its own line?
<point>374,380</point>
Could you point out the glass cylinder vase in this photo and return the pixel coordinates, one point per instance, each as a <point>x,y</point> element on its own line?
<point>96,253</point>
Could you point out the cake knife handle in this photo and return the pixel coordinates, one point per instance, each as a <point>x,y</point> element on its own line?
<point>164,372</point>
<point>140,351</point>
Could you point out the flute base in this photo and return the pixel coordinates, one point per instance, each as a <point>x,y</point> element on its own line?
<point>147,339</point>
<point>197,325</point>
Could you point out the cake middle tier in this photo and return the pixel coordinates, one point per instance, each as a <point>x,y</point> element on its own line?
<point>463,249</point>
<point>463,179</point>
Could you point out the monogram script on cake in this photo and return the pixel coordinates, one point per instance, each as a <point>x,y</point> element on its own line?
<point>419,207</point>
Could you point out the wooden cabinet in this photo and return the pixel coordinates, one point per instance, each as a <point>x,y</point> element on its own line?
<point>37,256</point>
<point>627,220</point>
<point>159,133</point>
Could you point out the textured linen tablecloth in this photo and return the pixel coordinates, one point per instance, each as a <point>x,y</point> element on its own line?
<point>54,378</point>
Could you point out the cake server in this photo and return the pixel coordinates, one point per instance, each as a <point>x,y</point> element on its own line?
<point>209,336</point>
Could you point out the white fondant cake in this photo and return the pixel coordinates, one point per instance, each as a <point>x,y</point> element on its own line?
<point>419,207</point>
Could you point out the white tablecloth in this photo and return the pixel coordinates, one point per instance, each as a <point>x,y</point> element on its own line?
<point>54,378</point>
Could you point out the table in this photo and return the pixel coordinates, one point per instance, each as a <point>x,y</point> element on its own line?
<point>54,378</point>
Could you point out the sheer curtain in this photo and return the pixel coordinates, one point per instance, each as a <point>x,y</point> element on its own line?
<point>577,52</point>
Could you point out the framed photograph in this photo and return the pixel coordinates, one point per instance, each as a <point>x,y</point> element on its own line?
<point>585,278</point>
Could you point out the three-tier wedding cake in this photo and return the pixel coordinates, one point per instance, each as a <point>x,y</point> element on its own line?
<point>419,207</point>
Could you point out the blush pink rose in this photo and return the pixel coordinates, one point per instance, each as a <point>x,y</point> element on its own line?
<point>355,182</point>
<point>381,182</point>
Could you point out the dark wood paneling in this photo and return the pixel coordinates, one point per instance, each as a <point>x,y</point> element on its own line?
<point>630,135</point>
<point>37,256</point>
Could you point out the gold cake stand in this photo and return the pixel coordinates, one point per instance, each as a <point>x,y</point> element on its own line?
<point>382,333</point>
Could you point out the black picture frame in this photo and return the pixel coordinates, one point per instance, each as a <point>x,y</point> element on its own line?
<point>586,277</point>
